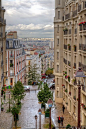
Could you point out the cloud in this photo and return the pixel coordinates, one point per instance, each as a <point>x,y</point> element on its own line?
<point>29,15</point>
<point>30,27</point>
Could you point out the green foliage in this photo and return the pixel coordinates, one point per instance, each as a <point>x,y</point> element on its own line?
<point>33,76</point>
<point>68,126</point>
<point>18,91</point>
<point>15,110</point>
<point>49,71</point>
<point>44,94</point>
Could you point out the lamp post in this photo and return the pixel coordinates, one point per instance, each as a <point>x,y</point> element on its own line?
<point>39,111</point>
<point>79,73</point>
<point>50,102</point>
<point>36,120</point>
<point>9,101</point>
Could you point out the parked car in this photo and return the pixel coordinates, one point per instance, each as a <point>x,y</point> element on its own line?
<point>52,86</point>
<point>27,88</point>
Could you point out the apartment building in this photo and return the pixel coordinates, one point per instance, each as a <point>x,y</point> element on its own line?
<point>69,54</point>
<point>3,72</point>
<point>16,57</point>
<point>47,61</point>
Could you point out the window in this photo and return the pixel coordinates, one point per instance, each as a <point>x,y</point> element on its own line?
<point>10,44</point>
<point>57,81</point>
<point>58,28</point>
<point>58,2</point>
<point>58,14</point>
<point>57,42</point>
<point>57,55</point>
<point>57,68</point>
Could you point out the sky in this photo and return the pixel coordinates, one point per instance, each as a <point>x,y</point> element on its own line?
<point>30,18</point>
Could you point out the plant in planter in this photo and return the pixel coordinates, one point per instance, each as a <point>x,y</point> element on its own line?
<point>66,90</point>
<point>69,78</point>
<point>69,93</point>
<point>74,97</point>
<point>11,65</point>
<point>68,44</point>
<point>68,126</point>
<point>67,103</point>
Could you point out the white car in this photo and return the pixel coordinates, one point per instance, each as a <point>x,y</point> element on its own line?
<point>45,80</point>
<point>52,86</point>
<point>27,88</point>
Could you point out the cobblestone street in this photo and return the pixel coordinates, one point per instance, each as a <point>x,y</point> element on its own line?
<point>29,109</point>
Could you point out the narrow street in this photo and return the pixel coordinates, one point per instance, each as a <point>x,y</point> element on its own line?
<point>29,109</point>
<point>31,106</point>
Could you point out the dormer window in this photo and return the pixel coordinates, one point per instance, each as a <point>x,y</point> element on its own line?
<point>10,44</point>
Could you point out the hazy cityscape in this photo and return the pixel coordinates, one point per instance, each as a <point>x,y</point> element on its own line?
<point>42,64</point>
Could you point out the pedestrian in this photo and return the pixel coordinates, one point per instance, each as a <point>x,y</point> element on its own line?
<point>63,108</point>
<point>62,120</point>
<point>59,120</point>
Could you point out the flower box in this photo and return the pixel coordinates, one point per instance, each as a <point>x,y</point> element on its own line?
<point>69,93</point>
<point>66,90</point>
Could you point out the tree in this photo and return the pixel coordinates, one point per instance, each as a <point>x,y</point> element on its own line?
<point>48,72</point>
<point>44,94</point>
<point>33,76</point>
<point>17,94</point>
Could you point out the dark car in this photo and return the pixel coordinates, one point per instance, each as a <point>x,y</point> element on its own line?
<point>52,86</point>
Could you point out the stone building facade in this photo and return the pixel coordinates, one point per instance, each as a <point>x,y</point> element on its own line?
<point>69,54</point>
<point>16,59</point>
<point>3,73</point>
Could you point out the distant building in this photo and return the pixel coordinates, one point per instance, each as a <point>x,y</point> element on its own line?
<point>16,57</point>
<point>33,60</point>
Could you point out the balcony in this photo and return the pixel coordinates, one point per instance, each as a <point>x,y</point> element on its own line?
<point>74,13</point>
<point>82,47</point>
<point>69,64</point>
<point>11,74</point>
<point>76,31</point>
<point>65,46</point>
<point>69,31</point>
<point>79,8</point>
<point>67,16</point>
<point>11,55</point>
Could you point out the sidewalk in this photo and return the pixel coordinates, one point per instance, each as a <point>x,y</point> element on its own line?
<point>56,112</point>
<point>6,118</point>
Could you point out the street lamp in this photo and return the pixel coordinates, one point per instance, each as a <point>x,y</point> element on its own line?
<point>79,73</point>
<point>36,120</point>
<point>9,101</point>
<point>39,111</point>
<point>50,102</point>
